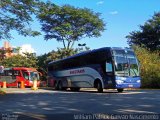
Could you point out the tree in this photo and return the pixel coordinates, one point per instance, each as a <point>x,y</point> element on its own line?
<point>42,62</point>
<point>20,61</point>
<point>16,15</point>
<point>68,24</point>
<point>149,34</point>
<point>62,53</point>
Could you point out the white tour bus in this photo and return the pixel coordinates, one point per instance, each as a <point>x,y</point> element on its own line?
<point>104,68</point>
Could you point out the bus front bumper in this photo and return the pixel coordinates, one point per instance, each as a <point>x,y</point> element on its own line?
<point>128,82</point>
<point>128,85</point>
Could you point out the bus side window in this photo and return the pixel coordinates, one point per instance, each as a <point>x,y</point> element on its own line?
<point>16,73</point>
<point>109,67</point>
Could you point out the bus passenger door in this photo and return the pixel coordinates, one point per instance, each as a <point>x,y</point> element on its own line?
<point>109,81</point>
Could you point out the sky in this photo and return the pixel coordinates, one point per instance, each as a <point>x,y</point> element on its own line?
<point>120,16</point>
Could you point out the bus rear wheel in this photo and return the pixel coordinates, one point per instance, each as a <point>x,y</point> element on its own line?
<point>99,87</point>
<point>120,90</point>
<point>59,86</point>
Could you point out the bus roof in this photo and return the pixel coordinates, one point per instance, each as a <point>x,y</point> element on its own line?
<point>21,68</point>
<point>79,54</point>
<point>90,51</point>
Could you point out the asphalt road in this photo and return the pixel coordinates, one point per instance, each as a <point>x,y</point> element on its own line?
<point>47,104</point>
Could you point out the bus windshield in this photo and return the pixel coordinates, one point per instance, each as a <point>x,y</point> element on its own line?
<point>126,63</point>
<point>34,76</point>
<point>29,75</point>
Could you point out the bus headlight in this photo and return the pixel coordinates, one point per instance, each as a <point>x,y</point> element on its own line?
<point>119,81</point>
<point>138,81</point>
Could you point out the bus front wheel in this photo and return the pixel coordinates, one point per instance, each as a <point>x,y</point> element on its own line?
<point>99,87</point>
<point>120,90</point>
<point>18,84</point>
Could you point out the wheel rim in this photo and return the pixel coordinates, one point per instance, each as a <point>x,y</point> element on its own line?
<point>98,86</point>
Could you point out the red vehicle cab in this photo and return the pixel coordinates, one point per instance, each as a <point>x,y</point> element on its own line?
<point>14,76</point>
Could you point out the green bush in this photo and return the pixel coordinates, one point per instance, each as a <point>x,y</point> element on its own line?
<point>150,67</point>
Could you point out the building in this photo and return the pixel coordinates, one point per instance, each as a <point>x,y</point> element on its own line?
<point>7,50</point>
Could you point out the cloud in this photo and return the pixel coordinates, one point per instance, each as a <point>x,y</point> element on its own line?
<point>100,2</point>
<point>113,12</point>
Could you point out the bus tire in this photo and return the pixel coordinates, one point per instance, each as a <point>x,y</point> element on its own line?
<point>60,86</point>
<point>75,89</point>
<point>120,90</point>
<point>98,85</point>
<point>18,85</point>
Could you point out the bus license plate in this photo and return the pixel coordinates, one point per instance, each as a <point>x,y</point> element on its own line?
<point>130,85</point>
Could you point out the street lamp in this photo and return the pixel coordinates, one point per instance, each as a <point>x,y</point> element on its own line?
<point>81,47</point>
<point>84,44</point>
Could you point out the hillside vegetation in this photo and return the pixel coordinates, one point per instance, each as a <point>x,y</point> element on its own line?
<point>150,67</point>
